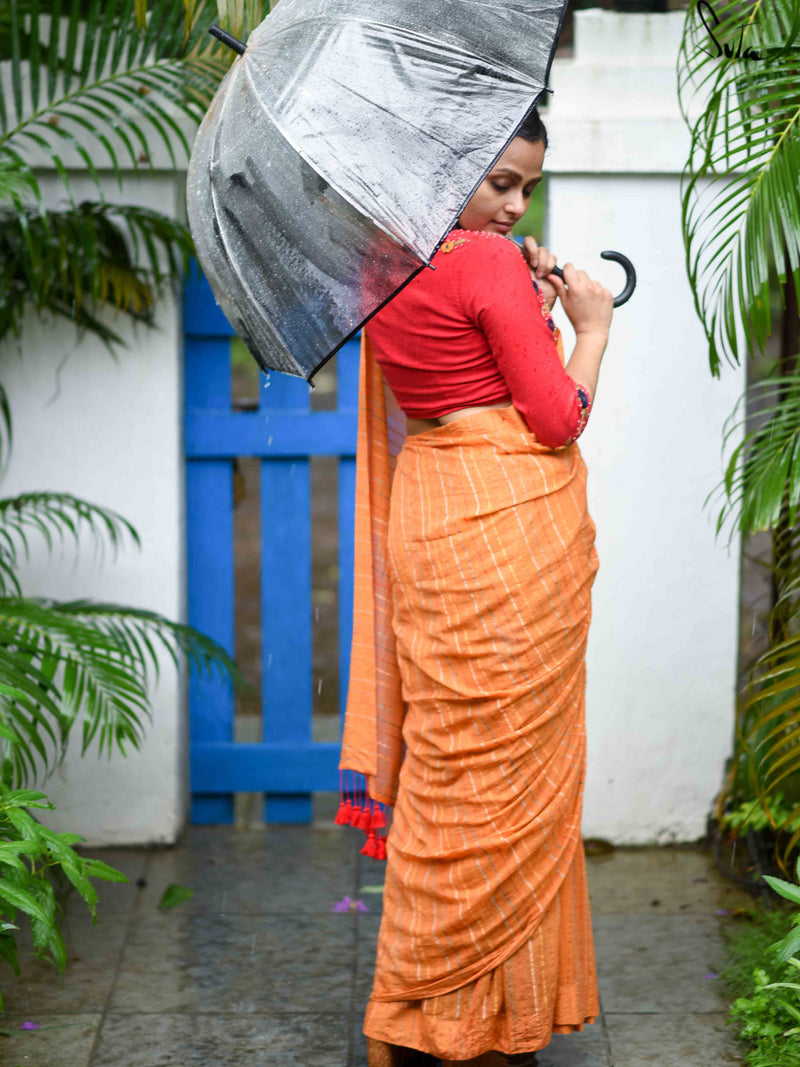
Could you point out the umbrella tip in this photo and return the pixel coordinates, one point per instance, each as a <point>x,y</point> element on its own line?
<point>228,39</point>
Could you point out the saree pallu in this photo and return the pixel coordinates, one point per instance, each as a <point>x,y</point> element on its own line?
<point>485,941</point>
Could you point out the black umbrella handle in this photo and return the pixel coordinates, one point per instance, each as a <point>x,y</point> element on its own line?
<point>630,275</point>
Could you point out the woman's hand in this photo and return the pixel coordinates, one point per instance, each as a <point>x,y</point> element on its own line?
<point>589,306</point>
<point>541,263</point>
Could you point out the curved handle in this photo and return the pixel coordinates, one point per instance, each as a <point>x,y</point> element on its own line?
<point>630,275</point>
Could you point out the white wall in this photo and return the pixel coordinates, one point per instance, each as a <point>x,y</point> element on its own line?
<point>110,431</point>
<point>663,645</point>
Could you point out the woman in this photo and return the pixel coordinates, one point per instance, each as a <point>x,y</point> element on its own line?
<point>474,564</point>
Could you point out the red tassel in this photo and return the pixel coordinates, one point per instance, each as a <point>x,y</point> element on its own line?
<point>370,847</point>
<point>343,814</point>
<point>365,821</point>
<point>380,851</point>
<point>378,819</point>
<point>355,814</point>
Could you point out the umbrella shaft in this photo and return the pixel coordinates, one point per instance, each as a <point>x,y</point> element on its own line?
<point>228,39</point>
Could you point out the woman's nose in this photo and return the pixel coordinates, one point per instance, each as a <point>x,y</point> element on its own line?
<point>515,204</point>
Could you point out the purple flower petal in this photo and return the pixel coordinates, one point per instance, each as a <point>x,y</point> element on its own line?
<point>360,906</point>
<point>345,904</point>
<point>711,976</point>
<point>722,911</point>
<point>30,1026</point>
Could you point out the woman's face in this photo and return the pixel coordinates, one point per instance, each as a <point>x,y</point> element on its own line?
<point>503,196</point>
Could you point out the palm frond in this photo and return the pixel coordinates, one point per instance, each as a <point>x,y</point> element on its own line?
<point>72,263</point>
<point>54,517</point>
<point>16,180</point>
<point>84,662</point>
<point>740,190</point>
<point>116,76</point>
<point>762,477</point>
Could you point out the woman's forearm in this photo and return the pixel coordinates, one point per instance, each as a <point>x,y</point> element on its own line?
<point>584,363</point>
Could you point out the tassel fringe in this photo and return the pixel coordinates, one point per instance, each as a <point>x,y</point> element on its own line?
<point>358,809</point>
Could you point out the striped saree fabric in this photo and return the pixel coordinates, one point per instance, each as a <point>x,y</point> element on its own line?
<point>472,722</point>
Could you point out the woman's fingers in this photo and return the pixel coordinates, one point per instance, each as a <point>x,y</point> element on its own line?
<point>588,304</point>
<point>558,285</point>
<point>539,259</point>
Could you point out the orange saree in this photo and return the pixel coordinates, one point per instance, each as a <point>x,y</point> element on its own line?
<point>474,564</point>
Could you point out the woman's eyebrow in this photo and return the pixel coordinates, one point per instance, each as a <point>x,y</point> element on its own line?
<point>507,170</point>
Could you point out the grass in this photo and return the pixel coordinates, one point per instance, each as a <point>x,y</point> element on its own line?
<point>755,1014</point>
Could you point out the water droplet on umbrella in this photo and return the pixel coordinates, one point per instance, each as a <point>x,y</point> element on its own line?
<point>269,440</point>
<point>269,661</point>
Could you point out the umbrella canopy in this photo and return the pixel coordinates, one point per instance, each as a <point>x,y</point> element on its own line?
<point>341,148</point>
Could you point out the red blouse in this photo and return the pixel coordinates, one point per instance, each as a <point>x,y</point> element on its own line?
<point>472,332</point>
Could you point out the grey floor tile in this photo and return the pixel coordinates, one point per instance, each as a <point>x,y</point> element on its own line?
<point>222,1041</point>
<point>683,1040</point>
<point>585,1048</point>
<point>658,963</point>
<point>367,939</point>
<point>359,1041</point>
<point>660,881</point>
<point>200,963</point>
<point>286,869</point>
<point>62,1041</point>
<point>92,955</point>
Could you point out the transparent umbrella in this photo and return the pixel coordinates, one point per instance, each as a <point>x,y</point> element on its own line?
<point>342,147</point>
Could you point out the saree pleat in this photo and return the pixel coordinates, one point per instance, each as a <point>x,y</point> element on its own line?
<point>488,554</point>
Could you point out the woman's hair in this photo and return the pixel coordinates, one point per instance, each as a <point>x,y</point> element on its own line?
<point>532,128</point>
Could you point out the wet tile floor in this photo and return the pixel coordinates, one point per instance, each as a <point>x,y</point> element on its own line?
<point>257,971</point>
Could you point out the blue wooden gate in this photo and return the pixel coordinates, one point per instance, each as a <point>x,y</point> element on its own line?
<point>284,434</point>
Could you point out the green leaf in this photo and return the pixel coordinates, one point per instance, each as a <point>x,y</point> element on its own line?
<point>740,203</point>
<point>20,898</point>
<point>98,869</point>
<point>175,894</point>
<point>789,946</point>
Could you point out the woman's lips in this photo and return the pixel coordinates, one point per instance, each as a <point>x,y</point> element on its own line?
<point>504,227</point>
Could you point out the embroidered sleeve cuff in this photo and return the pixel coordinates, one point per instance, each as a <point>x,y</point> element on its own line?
<point>584,408</point>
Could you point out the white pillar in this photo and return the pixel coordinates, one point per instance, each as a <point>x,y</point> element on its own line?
<point>110,431</point>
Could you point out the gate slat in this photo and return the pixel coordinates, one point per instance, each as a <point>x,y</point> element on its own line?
<point>287,767</point>
<point>222,433</point>
<point>209,516</point>
<point>286,597</point>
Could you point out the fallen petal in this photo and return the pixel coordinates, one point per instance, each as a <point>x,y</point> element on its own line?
<point>722,911</point>
<point>711,976</point>
<point>30,1026</point>
<point>359,905</point>
<point>345,904</point>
